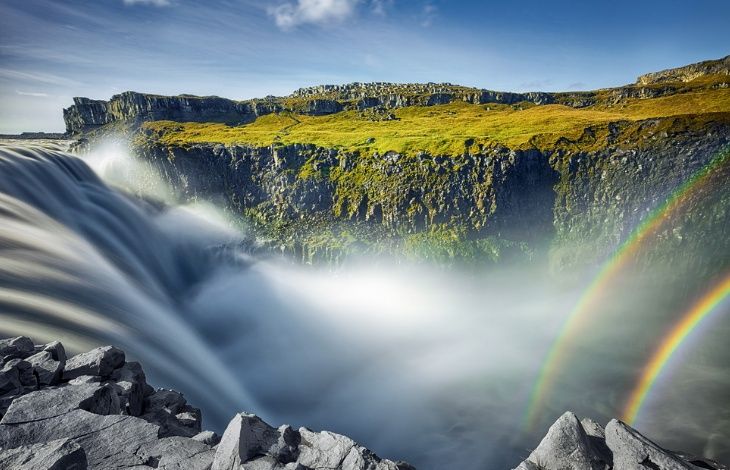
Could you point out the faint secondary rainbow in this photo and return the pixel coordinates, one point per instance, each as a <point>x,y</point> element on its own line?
<point>663,354</point>
<point>557,352</point>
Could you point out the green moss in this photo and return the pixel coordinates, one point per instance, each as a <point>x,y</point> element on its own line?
<point>442,129</point>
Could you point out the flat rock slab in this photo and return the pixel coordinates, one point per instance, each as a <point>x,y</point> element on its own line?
<point>109,441</point>
<point>61,454</point>
<point>52,402</point>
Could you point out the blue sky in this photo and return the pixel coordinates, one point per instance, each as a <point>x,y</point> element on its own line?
<point>51,51</point>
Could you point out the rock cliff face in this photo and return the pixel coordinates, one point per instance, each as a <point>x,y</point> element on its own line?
<point>572,193</point>
<point>85,115</point>
<point>130,107</point>
<point>687,73</point>
<point>573,444</point>
<point>574,198</point>
<point>95,410</point>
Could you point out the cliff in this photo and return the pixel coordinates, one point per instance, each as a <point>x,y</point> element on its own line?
<point>447,173</point>
<point>688,72</point>
<point>132,108</point>
<point>95,410</point>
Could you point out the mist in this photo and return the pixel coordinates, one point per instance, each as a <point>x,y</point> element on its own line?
<point>416,362</point>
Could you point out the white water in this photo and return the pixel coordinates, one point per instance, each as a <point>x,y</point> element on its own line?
<point>415,363</point>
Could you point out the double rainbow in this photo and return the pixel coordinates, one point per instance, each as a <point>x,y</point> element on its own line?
<point>663,354</point>
<point>578,315</point>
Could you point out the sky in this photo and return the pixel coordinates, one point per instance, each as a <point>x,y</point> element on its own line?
<point>51,51</point>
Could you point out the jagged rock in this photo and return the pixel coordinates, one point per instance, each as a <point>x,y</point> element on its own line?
<point>570,444</point>
<point>20,347</point>
<point>131,387</point>
<point>79,422</point>
<point>566,447</point>
<point>15,376</point>
<point>48,363</point>
<point>61,454</point>
<point>632,451</point>
<point>251,443</point>
<point>100,361</point>
<point>248,436</point>
<point>51,402</point>
<point>170,411</point>
<point>207,437</point>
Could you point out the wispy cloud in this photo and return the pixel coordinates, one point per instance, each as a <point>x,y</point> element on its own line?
<point>290,15</point>
<point>32,93</point>
<point>156,3</point>
<point>380,7</point>
<point>428,14</point>
<point>36,77</point>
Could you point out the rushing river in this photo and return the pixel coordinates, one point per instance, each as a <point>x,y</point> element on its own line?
<point>427,365</point>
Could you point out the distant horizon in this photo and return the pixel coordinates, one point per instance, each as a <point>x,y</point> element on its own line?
<point>52,51</point>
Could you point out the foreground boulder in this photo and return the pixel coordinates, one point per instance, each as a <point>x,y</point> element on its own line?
<point>96,411</point>
<point>571,444</point>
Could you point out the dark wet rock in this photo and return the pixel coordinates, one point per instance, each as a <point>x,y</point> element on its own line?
<point>20,347</point>
<point>572,444</point>
<point>100,361</point>
<point>131,387</point>
<point>61,454</point>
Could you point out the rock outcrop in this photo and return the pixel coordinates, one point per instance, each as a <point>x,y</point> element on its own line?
<point>131,108</point>
<point>688,72</point>
<point>573,444</point>
<point>98,412</point>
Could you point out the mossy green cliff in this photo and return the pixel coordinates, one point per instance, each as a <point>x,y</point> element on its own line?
<point>440,171</point>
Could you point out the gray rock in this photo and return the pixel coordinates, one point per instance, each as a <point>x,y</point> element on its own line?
<point>85,379</point>
<point>100,361</point>
<point>632,451</point>
<point>177,453</point>
<point>169,410</point>
<point>133,387</point>
<point>61,454</point>
<point>52,402</point>
<point>10,378</point>
<point>566,447</point>
<point>48,363</point>
<point>207,437</point>
<point>109,441</point>
<point>18,347</point>
<point>248,436</point>
<point>323,449</point>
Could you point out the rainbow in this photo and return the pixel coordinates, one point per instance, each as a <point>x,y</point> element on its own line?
<point>625,252</point>
<point>670,344</point>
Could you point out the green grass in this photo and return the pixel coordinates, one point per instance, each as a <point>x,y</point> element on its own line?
<point>448,129</point>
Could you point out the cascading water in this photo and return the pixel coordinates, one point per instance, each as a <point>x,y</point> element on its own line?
<point>413,363</point>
